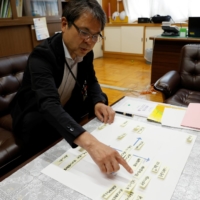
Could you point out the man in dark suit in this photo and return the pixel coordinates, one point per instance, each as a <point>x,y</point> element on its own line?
<point>59,86</point>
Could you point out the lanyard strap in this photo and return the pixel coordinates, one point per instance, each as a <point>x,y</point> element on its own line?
<point>72,74</point>
<point>84,88</point>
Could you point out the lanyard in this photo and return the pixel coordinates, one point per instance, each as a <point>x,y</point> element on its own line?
<point>72,74</point>
<point>84,88</point>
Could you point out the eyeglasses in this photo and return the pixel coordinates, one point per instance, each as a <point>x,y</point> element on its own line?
<point>85,35</point>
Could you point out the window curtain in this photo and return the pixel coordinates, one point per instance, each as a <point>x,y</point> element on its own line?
<point>193,10</point>
<point>136,8</point>
<point>179,10</point>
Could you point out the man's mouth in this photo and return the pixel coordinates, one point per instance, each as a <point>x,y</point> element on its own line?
<point>83,49</point>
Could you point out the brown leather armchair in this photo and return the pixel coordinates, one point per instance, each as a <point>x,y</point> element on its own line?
<point>183,86</point>
<point>11,72</point>
<point>11,149</point>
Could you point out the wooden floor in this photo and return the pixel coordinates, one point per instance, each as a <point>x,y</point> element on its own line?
<point>123,77</point>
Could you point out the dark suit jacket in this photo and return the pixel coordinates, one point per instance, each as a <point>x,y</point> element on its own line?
<point>39,90</point>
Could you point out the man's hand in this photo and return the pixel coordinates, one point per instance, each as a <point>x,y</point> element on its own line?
<point>107,158</point>
<point>104,156</point>
<point>104,113</point>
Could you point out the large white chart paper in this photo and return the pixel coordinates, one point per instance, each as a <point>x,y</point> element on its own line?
<point>145,145</point>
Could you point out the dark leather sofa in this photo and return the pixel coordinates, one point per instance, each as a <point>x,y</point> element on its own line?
<point>11,149</point>
<point>183,86</point>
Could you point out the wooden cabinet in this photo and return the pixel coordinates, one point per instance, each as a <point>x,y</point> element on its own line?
<point>129,40</point>
<point>149,32</point>
<point>17,33</point>
<point>123,39</point>
<point>112,41</point>
<point>132,39</point>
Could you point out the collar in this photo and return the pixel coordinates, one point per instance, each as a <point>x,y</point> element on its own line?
<point>68,56</point>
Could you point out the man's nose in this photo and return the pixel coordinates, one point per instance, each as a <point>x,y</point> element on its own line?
<point>89,40</point>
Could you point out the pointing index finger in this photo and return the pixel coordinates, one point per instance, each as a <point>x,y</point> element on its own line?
<point>124,164</point>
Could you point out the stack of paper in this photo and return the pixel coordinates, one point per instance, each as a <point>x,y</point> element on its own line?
<point>192,116</point>
<point>173,117</point>
<point>168,115</point>
<point>157,113</point>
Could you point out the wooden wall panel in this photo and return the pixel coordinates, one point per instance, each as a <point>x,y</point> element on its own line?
<point>54,27</point>
<point>15,40</point>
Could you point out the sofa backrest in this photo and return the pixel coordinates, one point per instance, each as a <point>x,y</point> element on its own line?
<point>11,74</point>
<point>190,67</point>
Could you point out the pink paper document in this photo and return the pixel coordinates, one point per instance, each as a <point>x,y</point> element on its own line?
<point>192,116</point>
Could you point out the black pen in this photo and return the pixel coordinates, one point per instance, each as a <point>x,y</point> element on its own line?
<point>123,113</point>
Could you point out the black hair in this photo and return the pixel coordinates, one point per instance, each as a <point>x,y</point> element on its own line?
<point>75,8</point>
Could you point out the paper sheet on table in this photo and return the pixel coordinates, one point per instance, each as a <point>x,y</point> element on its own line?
<point>173,118</point>
<point>192,116</point>
<point>135,106</point>
<point>157,114</point>
<point>86,178</point>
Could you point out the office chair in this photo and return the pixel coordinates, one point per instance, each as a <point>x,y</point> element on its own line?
<point>183,86</point>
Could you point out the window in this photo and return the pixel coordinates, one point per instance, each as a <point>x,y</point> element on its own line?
<point>179,10</point>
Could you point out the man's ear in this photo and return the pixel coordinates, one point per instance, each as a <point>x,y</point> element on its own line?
<point>64,23</point>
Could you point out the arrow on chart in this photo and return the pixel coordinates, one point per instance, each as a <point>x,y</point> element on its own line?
<point>147,159</point>
<point>138,139</point>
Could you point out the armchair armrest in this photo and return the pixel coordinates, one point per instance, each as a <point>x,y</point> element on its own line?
<point>168,84</point>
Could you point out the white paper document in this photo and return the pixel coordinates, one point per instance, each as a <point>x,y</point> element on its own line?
<point>135,106</point>
<point>173,118</point>
<point>41,29</point>
<point>157,156</point>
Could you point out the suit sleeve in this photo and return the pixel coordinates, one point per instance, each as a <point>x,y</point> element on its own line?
<point>41,67</point>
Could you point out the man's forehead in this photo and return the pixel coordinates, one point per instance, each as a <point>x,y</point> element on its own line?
<point>90,24</point>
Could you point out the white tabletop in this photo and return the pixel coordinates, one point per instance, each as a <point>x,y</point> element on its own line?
<point>29,183</point>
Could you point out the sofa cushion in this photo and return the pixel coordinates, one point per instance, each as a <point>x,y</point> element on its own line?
<point>183,97</point>
<point>6,122</point>
<point>11,74</point>
<point>9,147</point>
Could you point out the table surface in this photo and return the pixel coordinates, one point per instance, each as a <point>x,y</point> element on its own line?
<point>29,183</point>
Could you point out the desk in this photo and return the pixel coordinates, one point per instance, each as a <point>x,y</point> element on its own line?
<point>166,54</point>
<point>29,183</point>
